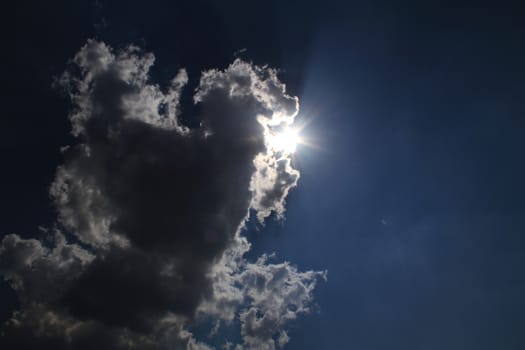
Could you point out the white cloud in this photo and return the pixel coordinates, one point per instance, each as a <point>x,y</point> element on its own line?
<point>158,208</point>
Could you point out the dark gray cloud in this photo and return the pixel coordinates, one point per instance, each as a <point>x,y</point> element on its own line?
<point>153,210</point>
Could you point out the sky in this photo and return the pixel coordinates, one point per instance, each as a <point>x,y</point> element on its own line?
<point>396,223</point>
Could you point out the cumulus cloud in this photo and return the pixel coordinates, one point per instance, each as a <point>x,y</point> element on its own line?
<point>150,213</point>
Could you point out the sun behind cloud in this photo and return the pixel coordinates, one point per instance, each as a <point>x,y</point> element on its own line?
<point>284,141</point>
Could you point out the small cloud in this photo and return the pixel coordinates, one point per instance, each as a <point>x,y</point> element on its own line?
<point>239,52</point>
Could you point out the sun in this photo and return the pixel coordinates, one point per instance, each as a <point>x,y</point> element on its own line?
<point>285,140</point>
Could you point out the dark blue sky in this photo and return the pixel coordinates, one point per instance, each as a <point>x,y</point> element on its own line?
<point>415,200</point>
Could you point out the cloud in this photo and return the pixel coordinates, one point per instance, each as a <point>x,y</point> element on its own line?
<point>150,212</point>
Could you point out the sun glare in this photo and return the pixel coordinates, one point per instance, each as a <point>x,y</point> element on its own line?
<point>285,141</point>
